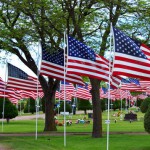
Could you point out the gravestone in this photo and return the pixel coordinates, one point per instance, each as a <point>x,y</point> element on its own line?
<point>130,117</point>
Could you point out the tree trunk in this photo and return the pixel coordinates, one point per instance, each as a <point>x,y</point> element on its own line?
<point>7,119</point>
<point>49,113</point>
<point>85,112</point>
<point>49,88</point>
<point>97,112</point>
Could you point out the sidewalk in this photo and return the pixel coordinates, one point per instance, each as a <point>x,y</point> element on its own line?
<point>19,117</point>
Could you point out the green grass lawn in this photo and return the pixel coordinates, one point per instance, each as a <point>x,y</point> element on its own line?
<point>77,142</point>
<point>22,126</point>
<point>117,142</point>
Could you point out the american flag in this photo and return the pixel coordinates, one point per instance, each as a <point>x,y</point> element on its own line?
<point>83,92</point>
<point>145,84</point>
<point>82,60</point>
<point>57,95</point>
<point>105,90</point>
<point>103,94</point>
<point>136,81</point>
<point>3,90</point>
<point>131,87</point>
<point>53,65</point>
<point>144,48</point>
<point>142,96</point>
<point>2,84</point>
<point>26,94</point>
<point>130,80</point>
<point>129,60</point>
<point>115,81</point>
<point>123,80</point>
<point>13,95</point>
<point>68,95</point>
<point>69,90</point>
<point>20,80</point>
<point>68,86</point>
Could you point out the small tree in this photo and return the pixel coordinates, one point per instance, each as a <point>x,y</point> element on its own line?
<point>10,110</point>
<point>117,104</point>
<point>84,105</point>
<point>32,108</point>
<point>43,104</point>
<point>61,108</point>
<point>145,104</point>
<point>139,102</point>
<point>21,105</point>
<point>103,103</point>
<point>147,120</point>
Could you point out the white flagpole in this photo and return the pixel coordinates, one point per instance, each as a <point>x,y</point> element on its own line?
<point>74,101</point>
<point>3,113</point>
<point>108,106</point>
<point>20,107</point>
<point>59,99</point>
<point>121,104</point>
<point>65,89</point>
<point>37,99</point>
<point>126,100</point>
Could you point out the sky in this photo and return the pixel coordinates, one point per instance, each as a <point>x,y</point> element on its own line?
<point>14,60</point>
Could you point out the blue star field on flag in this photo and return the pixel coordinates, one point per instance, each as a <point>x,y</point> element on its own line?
<point>16,72</point>
<point>78,49</point>
<point>125,45</point>
<point>55,57</point>
<point>136,81</point>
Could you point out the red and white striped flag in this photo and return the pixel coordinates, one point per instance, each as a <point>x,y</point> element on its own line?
<point>53,65</point>
<point>82,60</point>
<point>20,80</point>
<point>129,60</point>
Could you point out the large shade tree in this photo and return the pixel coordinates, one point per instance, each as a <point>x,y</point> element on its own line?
<point>25,22</point>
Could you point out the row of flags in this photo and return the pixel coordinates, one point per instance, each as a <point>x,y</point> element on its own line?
<point>83,92</point>
<point>131,61</point>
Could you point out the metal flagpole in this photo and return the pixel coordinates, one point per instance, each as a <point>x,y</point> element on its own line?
<point>74,101</point>
<point>121,105</point>
<point>3,113</point>
<point>37,99</point>
<point>108,106</point>
<point>20,107</point>
<point>59,99</point>
<point>65,88</point>
<point>126,101</point>
<point>108,121</point>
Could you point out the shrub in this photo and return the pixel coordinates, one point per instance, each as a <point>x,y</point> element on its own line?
<point>103,104</point>
<point>10,110</point>
<point>145,104</point>
<point>30,106</point>
<point>147,120</point>
<point>61,108</point>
